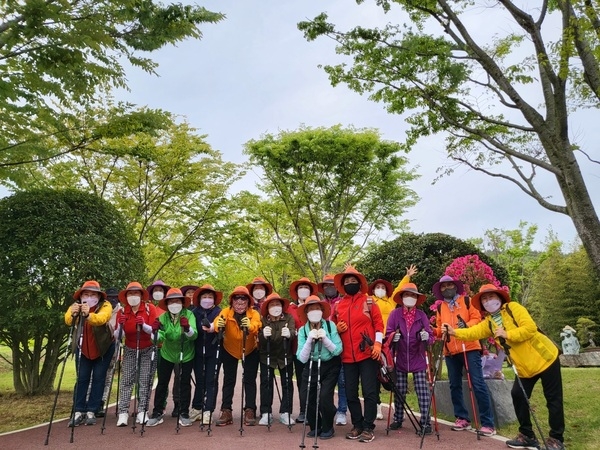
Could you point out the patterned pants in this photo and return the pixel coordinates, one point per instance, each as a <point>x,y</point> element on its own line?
<point>423,393</point>
<point>129,378</point>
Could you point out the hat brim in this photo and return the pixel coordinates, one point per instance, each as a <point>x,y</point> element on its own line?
<point>460,288</point>
<point>123,294</point>
<point>294,286</point>
<point>389,289</point>
<point>162,304</point>
<point>421,298</point>
<point>476,300</point>
<point>264,306</point>
<point>338,280</point>
<point>77,294</point>
<point>325,306</point>
<point>153,286</point>
<point>268,287</point>
<point>196,299</point>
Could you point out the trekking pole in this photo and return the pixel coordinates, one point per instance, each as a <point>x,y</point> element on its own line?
<point>62,371</point>
<point>180,369</point>
<point>432,403</point>
<point>463,324</point>
<point>136,387</point>
<point>269,387</point>
<point>389,417</point>
<point>244,336</point>
<point>80,327</point>
<point>438,365</point>
<point>153,364</point>
<point>118,351</point>
<point>219,338</point>
<point>288,381</point>
<point>203,377</point>
<point>319,348</point>
<point>506,348</point>
<point>312,348</point>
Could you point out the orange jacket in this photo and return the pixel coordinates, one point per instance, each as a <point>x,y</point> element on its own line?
<point>470,315</point>
<point>233,336</point>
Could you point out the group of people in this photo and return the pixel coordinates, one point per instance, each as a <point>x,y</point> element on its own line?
<point>331,334</point>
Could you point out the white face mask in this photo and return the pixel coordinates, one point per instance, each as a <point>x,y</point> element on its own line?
<point>134,300</point>
<point>158,295</point>
<point>91,301</point>
<point>380,293</point>
<point>275,311</point>
<point>207,302</point>
<point>175,308</point>
<point>303,293</point>
<point>258,293</point>
<point>409,302</point>
<point>315,315</point>
<point>492,306</point>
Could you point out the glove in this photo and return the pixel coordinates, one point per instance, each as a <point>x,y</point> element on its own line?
<point>285,332</point>
<point>424,335</point>
<point>245,322</point>
<point>342,326</point>
<point>185,324</point>
<point>156,326</point>
<point>376,352</point>
<point>221,322</point>
<point>313,335</point>
<point>321,333</point>
<point>397,336</point>
<point>122,319</point>
<point>267,332</point>
<point>139,320</point>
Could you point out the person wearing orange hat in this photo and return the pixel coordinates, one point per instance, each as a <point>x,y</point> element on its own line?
<point>135,321</point>
<point>206,302</point>
<point>533,357</point>
<point>259,289</point>
<point>410,332</point>
<point>278,327</point>
<point>360,325</point>
<point>176,330</point>
<point>299,291</point>
<point>95,349</point>
<point>241,324</point>
<point>319,343</point>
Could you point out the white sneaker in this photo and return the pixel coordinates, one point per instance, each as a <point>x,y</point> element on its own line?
<point>287,419</point>
<point>195,414</point>
<point>264,419</point>
<point>340,418</point>
<point>142,417</point>
<point>123,419</point>
<point>205,418</point>
<point>379,412</point>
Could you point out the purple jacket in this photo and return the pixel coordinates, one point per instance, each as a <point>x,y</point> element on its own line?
<point>409,351</point>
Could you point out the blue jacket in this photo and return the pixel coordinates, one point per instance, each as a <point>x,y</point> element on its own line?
<point>206,339</point>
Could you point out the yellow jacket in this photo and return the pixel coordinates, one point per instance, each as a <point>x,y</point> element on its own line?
<point>531,351</point>
<point>387,304</point>
<point>233,336</point>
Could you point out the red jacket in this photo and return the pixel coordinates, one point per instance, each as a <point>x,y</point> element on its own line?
<point>149,312</point>
<point>354,310</point>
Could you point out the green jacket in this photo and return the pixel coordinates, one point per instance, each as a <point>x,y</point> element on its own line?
<point>531,351</point>
<point>172,337</point>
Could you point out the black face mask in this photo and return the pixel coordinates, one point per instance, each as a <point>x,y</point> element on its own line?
<point>352,288</point>
<point>330,291</point>
<point>449,293</point>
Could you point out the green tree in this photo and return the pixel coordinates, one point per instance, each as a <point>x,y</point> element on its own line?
<point>51,242</point>
<point>56,55</point>
<point>484,95</point>
<point>329,191</point>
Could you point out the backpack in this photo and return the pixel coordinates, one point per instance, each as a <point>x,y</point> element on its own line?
<point>387,372</point>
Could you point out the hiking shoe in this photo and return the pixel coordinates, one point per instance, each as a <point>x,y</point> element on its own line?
<point>265,419</point>
<point>461,424</point>
<point>142,417</point>
<point>554,444</point>
<point>354,433</point>
<point>225,419</point>
<point>379,412</point>
<point>175,411</point>
<point>366,436</point>
<point>340,418</point>
<point>195,414</point>
<point>123,419</point>
<point>311,433</point>
<point>395,425</point>
<point>426,430</point>
<point>76,420</point>
<point>90,418</point>
<point>327,434</point>
<point>301,418</point>
<point>286,419</point>
<point>100,412</point>
<point>185,421</point>
<point>156,419</point>
<point>522,441</point>
<point>206,418</point>
<point>249,417</point>
<point>487,431</point>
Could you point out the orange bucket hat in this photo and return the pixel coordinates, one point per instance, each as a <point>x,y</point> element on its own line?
<point>258,281</point>
<point>91,285</point>
<point>303,280</point>
<point>133,286</point>
<point>241,290</point>
<point>327,279</point>
<point>313,300</point>
<point>350,270</point>
<point>389,289</point>
<point>204,288</point>
<point>171,294</point>
<point>488,288</point>
<point>264,306</point>
<point>410,287</point>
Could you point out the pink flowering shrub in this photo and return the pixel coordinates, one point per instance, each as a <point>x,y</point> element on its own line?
<point>473,272</point>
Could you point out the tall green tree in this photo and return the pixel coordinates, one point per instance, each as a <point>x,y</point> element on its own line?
<point>57,55</point>
<point>51,242</point>
<point>505,103</point>
<point>329,191</point>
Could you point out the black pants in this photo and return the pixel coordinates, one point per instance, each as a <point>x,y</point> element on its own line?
<point>207,384</point>
<point>552,386</point>
<point>250,370</point>
<point>165,369</point>
<point>299,369</point>
<point>327,375</point>
<point>267,386</point>
<point>364,371</point>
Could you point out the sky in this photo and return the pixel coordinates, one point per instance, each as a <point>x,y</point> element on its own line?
<point>254,73</point>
